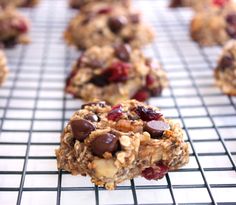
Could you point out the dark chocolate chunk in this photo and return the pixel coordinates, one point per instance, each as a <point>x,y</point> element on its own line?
<point>116,23</point>
<point>81,129</point>
<point>91,117</point>
<point>122,52</point>
<point>104,143</point>
<point>156,128</point>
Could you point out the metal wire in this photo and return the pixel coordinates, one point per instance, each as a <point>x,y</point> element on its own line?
<point>34,110</point>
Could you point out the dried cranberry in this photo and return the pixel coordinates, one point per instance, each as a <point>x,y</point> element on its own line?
<point>142,95</point>
<point>220,3</point>
<point>69,78</point>
<point>157,171</point>
<point>147,114</point>
<point>149,80</point>
<point>115,113</point>
<point>105,10</point>
<point>117,72</point>
<point>134,18</point>
<point>80,60</point>
<point>122,52</point>
<point>21,26</point>
<point>226,61</point>
<point>116,23</point>
<point>231,18</point>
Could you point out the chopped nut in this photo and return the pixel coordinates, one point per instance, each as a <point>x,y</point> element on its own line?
<point>104,168</point>
<point>125,141</point>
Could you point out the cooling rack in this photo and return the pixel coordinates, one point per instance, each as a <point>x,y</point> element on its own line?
<point>34,110</point>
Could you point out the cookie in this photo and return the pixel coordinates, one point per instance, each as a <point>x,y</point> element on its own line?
<point>114,144</point>
<point>13,27</point>
<point>114,73</point>
<point>199,4</point>
<point>214,26</point>
<point>20,3</point>
<point>106,25</point>
<point>3,67</point>
<point>225,72</point>
<point>78,4</point>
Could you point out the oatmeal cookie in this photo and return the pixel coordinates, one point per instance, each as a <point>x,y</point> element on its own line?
<point>114,73</point>
<point>114,144</point>
<point>107,25</point>
<point>214,26</point>
<point>225,72</point>
<point>20,3</point>
<point>199,4</point>
<point>3,67</point>
<point>78,4</point>
<point>13,27</point>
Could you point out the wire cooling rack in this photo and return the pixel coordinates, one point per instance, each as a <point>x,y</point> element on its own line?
<point>34,110</point>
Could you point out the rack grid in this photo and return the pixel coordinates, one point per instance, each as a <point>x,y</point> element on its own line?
<point>34,110</point>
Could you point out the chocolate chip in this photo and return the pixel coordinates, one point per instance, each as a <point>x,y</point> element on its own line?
<point>81,129</point>
<point>104,143</point>
<point>156,128</point>
<point>91,117</point>
<point>99,80</point>
<point>116,23</point>
<point>99,103</point>
<point>122,52</point>
<point>10,42</point>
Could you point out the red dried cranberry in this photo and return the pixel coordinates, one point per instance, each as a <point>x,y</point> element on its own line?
<point>69,78</point>
<point>122,52</point>
<point>147,114</point>
<point>21,26</point>
<point>142,95</point>
<point>231,18</point>
<point>231,30</point>
<point>134,18</point>
<point>149,80</point>
<point>105,10</point>
<point>117,72</point>
<point>116,23</point>
<point>80,60</point>
<point>220,3</point>
<point>115,113</point>
<point>157,171</point>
